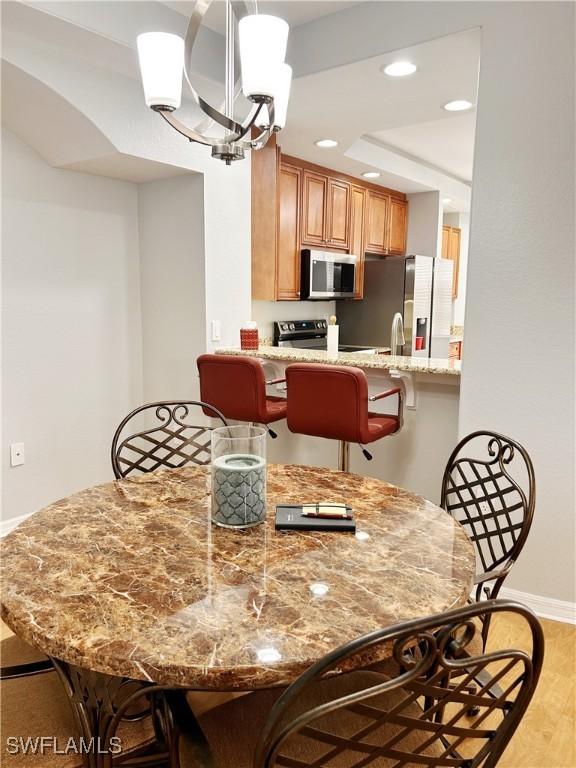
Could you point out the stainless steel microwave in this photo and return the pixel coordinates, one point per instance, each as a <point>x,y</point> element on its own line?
<point>327,275</point>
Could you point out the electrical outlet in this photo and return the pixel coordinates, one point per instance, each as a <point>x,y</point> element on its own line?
<point>16,454</point>
<point>216,330</point>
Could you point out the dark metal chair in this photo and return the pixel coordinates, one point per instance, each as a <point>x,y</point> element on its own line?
<point>411,718</point>
<point>482,489</point>
<point>168,437</point>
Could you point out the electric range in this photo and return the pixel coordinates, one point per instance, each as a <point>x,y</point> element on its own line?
<point>310,334</point>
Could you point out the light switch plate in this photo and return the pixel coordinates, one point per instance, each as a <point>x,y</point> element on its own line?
<point>216,330</point>
<point>16,454</point>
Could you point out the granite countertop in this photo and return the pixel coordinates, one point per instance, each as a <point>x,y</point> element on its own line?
<point>383,362</point>
<point>131,579</point>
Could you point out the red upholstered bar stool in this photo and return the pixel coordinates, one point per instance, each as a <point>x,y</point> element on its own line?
<point>332,401</point>
<point>236,386</point>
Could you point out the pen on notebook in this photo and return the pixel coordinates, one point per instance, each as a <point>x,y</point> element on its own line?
<point>327,515</point>
<point>326,511</point>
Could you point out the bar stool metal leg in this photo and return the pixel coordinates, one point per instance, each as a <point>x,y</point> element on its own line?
<point>344,456</point>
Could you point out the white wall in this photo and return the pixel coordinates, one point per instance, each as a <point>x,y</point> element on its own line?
<point>71,324</point>
<point>424,224</point>
<point>136,132</point>
<point>227,236</point>
<point>266,312</point>
<point>461,220</point>
<point>51,76</point>
<point>520,288</point>
<point>171,229</point>
<point>519,314</point>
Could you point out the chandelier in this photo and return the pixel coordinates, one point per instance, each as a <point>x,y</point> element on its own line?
<point>265,79</point>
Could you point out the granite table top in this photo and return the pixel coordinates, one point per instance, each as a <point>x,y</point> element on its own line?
<point>431,365</point>
<point>130,578</point>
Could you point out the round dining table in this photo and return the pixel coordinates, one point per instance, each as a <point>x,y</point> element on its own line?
<point>131,580</point>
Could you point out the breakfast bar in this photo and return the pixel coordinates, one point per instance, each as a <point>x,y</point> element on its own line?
<point>431,398</point>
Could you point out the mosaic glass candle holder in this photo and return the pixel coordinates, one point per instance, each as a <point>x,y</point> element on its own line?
<point>238,476</point>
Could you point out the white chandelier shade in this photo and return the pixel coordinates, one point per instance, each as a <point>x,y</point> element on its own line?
<point>161,57</point>
<point>281,99</point>
<point>282,95</point>
<point>263,42</point>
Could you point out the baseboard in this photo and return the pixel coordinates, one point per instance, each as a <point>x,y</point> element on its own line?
<point>545,607</point>
<point>8,525</point>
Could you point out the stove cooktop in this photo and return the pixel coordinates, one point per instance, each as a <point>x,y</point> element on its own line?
<point>348,348</point>
<point>309,334</point>
<point>341,347</point>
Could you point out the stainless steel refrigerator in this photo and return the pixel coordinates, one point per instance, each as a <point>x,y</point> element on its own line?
<point>419,287</point>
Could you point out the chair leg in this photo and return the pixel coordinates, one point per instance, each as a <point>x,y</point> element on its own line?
<point>344,456</point>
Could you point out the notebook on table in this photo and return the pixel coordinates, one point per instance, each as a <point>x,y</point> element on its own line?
<point>315,517</point>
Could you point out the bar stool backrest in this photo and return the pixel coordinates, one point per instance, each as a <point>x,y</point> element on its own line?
<point>327,401</point>
<point>234,385</point>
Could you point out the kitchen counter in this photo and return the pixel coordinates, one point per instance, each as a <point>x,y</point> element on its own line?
<point>378,362</point>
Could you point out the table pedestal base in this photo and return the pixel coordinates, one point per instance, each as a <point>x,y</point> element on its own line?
<point>102,704</point>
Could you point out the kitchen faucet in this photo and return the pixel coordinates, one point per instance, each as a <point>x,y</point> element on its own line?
<point>397,334</point>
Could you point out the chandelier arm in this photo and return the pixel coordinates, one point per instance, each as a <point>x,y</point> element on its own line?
<point>211,141</point>
<point>198,13</point>
<point>189,133</point>
<point>261,140</point>
<point>206,123</point>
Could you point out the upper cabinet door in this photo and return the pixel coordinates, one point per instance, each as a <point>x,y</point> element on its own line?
<point>314,192</point>
<point>454,254</point>
<point>397,230</point>
<point>377,212</point>
<point>357,210</point>
<point>446,241</point>
<point>288,254</point>
<point>338,214</point>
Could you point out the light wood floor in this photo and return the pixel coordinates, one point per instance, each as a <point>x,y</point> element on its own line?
<point>546,737</point>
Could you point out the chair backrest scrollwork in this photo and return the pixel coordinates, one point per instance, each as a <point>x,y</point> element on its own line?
<point>168,436</point>
<point>481,489</point>
<point>419,716</point>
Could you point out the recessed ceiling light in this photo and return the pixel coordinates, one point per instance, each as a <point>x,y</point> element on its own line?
<point>326,143</point>
<point>371,175</point>
<point>458,105</point>
<point>400,69</point>
<point>447,200</point>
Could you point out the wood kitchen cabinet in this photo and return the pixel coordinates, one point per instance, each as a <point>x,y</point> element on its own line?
<point>451,237</point>
<point>338,214</point>
<point>377,212</point>
<point>386,224</point>
<point>314,193</point>
<point>357,213</point>
<point>276,196</point>
<point>325,211</point>
<point>288,254</point>
<point>398,227</point>
<point>298,205</point>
